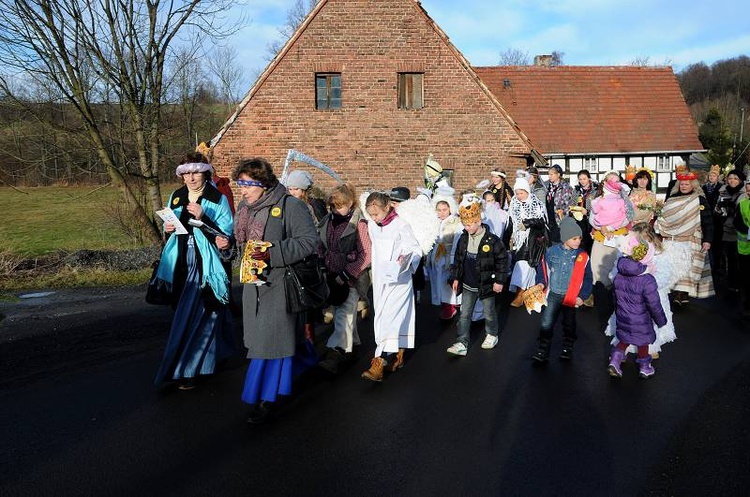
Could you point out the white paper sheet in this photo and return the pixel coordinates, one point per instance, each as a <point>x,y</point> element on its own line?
<point>168,216</point>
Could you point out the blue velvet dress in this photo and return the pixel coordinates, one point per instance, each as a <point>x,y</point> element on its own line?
<point>199,337</point>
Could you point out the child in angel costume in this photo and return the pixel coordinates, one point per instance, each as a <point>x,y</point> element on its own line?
<point>395,256</point>
<point>440,257</point>
<point>666,265</point>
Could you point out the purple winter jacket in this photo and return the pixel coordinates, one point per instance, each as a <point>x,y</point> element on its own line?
<point>638,303</point>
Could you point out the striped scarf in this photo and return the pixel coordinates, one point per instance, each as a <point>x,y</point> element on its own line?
<point>680,223</point>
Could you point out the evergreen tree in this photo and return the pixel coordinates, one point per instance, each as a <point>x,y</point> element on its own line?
<point>715,136</point>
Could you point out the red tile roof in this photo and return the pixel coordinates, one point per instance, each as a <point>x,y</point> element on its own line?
<point>576,109</point>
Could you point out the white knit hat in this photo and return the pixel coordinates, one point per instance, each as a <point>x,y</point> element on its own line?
<point>522,184</point>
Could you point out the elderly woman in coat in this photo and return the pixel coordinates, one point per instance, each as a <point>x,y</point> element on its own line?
<point>192,266</point>
<point>267,213</point>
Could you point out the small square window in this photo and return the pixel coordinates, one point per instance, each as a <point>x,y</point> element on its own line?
<point>410,90</point>
<point>662,164</point>
<point>328,91</point>
<point>590,164</point>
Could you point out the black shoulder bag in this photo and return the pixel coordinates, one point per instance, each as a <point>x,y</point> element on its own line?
<point>304,282</point>
<point>157,292</point>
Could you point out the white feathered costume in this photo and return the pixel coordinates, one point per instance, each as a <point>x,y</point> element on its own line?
<point>412,233</point>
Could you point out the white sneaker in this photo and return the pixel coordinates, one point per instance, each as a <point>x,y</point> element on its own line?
<point>489,341</point>
<point>457,349</point>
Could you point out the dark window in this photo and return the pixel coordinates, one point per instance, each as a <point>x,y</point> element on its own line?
<point>410,90</point>
<point>328,91</point>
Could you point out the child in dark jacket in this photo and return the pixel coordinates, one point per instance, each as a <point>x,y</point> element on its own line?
<point>565,272</point>
<point>478,271</point>
<point>638,303</point>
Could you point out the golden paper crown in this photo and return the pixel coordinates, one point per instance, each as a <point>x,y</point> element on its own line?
<point>470,213</point>
<point>715,169</point>
<point>204,149</point>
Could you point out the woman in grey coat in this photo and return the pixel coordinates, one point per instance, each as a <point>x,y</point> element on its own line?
<point>267,213</point>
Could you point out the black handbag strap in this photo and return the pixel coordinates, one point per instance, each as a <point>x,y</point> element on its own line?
<point>283,227</point>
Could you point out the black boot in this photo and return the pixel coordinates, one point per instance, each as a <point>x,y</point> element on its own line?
<point>542,353</point>
<point>567,349</point>
<point>261,413</point>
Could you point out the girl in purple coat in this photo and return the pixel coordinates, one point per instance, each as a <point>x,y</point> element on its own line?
<point>637,298</point>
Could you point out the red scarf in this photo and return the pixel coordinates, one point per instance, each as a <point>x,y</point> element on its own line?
<point>576,279</point>
<point>388,218</point>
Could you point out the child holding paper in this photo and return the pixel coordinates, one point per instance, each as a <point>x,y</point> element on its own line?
<point>395,257</point>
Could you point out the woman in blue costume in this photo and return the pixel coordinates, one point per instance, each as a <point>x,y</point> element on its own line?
<point>272,335</point>
<point>192,265</point>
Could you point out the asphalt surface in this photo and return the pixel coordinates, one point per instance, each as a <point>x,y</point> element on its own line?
<point>80,415</point>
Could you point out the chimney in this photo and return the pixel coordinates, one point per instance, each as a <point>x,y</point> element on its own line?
<point>543,60</point>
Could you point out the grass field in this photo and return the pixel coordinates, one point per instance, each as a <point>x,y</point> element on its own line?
<point>42,220</point>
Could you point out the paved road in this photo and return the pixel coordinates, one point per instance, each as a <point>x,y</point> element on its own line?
<point>79,415</point>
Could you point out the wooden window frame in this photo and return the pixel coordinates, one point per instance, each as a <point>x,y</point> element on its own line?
<point>329,102</point>
<point>591,164</point>
<point>663,164</point>
<point>410,90</point>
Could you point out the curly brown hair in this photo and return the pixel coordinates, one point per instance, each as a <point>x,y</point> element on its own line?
<point>258,169</point>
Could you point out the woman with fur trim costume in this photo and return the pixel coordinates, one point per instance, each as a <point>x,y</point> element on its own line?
<point>192,265</point>
<point>686,225</point>
<point>440,257</point>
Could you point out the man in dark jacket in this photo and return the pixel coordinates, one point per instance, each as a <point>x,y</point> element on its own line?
<point>478,272</point>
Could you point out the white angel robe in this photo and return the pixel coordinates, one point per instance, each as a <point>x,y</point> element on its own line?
<point>392,290</point>
<point>440,260</point>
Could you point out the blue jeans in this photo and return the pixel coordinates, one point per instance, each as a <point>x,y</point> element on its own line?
<point>468,301</point>
<point>550,314</point>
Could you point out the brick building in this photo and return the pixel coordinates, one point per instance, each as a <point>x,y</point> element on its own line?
<point>600,118</point>
<point>370,88</point>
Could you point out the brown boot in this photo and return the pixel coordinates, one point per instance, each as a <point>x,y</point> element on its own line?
<point>518,301</point>
<point>375,373</point>
<point>398,363</point>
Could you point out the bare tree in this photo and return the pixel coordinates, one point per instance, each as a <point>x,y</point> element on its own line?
<point>109,52</point>
<point>295,16</point>
<point>514,57</point>
<point>557,58</point>
<point>222,62</point>
<point>640,61</point>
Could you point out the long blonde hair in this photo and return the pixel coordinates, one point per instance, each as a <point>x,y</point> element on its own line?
<point>646,233</point>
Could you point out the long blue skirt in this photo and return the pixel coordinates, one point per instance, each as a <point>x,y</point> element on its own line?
<point>198,338</point>
<point>268,378</point>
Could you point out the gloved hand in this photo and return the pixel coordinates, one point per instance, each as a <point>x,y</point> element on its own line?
<point>261,255</point>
